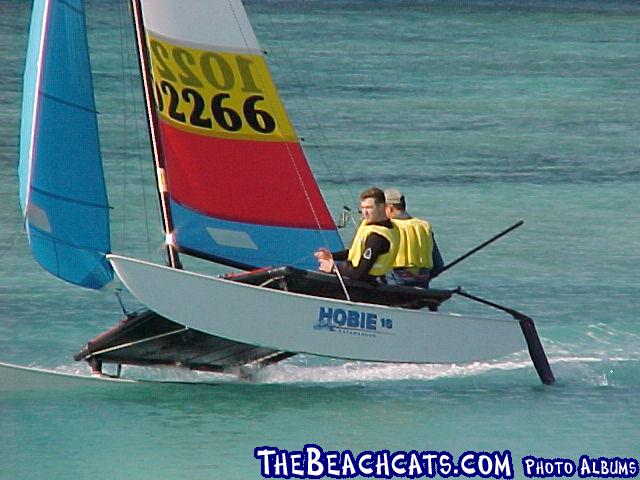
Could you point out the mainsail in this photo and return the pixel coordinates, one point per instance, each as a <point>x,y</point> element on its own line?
<point>62,190</point>
<point>240,190</point>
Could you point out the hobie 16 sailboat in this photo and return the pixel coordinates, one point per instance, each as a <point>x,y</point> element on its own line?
<point>222,143</point>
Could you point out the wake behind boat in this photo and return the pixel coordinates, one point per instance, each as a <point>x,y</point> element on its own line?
<point>222,143</point>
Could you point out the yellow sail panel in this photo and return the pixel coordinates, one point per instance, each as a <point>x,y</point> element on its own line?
<point>223,94</point>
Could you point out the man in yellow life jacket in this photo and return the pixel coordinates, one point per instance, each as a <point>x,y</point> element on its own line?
<point>374,247</point>
<point>418,255</point>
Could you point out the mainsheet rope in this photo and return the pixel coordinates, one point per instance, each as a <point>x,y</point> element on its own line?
<point>321,154</point>
<point>317,127</point>
<point>330,165</point>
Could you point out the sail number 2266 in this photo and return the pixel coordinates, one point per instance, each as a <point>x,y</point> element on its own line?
<point>216,91</point>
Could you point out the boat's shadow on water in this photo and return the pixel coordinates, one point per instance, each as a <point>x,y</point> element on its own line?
<point>439,410</point>
<point>224,400</point>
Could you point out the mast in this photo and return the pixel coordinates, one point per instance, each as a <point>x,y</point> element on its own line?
<point>152,122</point>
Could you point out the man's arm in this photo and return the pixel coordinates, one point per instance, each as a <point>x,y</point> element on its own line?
<point>340,256</point>
<point>436,257</point>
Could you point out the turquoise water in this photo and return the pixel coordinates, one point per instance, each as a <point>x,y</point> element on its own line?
<point>482,113</point>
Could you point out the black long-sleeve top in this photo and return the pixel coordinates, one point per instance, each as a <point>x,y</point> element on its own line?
<point>374,246</point>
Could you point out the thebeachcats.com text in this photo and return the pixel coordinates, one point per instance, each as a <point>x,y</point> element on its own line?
<point>313,462</point>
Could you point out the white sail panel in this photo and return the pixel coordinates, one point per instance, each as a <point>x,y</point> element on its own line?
<point>213,23</point>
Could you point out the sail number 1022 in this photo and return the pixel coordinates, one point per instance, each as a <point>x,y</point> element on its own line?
<point>207,90</point>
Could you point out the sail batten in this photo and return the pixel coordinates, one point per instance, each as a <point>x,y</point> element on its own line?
<point>239,185</point>
<point>199,44</point>
<point>69,200</point>
<point>68,103</point>
<point>62,187</point>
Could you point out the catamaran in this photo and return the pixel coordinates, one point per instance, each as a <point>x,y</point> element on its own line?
<point>221,142</point>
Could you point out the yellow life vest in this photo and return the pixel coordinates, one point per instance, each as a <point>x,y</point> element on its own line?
<point>416,244</point>
<point>384,263</point>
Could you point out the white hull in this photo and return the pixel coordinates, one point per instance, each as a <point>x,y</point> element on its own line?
<point>15,378</point>
<point>21,378</point>
<point>314,325</point>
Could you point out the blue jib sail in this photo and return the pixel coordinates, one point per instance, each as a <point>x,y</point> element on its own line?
<point>62,188</point>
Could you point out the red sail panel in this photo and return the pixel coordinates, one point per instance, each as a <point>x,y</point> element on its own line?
<point>248,181</point>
